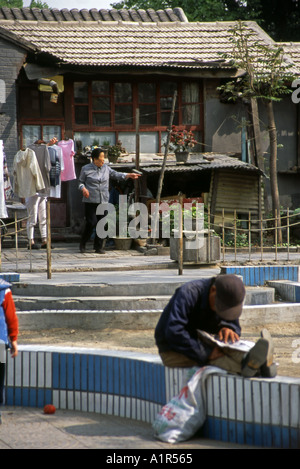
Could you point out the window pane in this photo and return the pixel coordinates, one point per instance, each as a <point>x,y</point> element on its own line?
<point>49,109</point>
<point>101,119</point>
<point>147,92</point>
<point>81,94</point>
<point>101,104</point>
<point>190,93</point>
<point>168,88</point>
<point>81,115</point>
<point>191,114</point>
<point>123,92</point>
<point>100,87</point>
<point>166,103</point>
<point>190,101</point>
<point>29,102</point>
<point>148,114</point>
<point>31,133</point>
<point>123,115</point>
<point>165,118</point>
<point>50,131</point>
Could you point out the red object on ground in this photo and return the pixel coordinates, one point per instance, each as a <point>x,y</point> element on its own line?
<point>49,409</point>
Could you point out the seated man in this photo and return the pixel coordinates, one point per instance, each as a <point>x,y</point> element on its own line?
<point>213,305</point>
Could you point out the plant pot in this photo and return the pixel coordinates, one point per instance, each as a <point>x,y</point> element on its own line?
<point>140,241</point>
<point>122,244</point>
<point>208,252</point>
<point>113,158</point>
<point>182,156</point>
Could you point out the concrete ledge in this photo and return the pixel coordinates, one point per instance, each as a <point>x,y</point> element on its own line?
<point>262,274</point>
<point>289,291</point>
<point>257,412</point>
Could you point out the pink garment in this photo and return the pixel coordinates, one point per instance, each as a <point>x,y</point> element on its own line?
<point>68,173</point>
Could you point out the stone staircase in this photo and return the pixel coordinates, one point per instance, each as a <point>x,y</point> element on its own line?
<point>123,306</point>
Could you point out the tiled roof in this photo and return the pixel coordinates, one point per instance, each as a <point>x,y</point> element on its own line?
<point>116,38</point>
<point>293,50</point>
<point>122,43</point>
<point>35,14</point>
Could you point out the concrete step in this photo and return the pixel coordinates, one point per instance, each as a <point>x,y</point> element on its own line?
<point>95,290</point>
<point>91,303</point>
<point>253,315</point>
<point>286,289</point>
<point>123,299</point>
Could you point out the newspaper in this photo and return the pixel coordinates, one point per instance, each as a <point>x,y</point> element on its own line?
<point>242,345</point>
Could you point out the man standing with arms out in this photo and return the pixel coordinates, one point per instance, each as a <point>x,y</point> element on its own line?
<point>94,185</point>
<point>213,305</point>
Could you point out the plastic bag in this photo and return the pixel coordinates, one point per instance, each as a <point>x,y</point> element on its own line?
<point>184,414</point>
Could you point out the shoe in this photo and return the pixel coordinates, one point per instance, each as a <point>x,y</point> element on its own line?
<point>100,251</point>
<point>268,369</point>
<point>34,246</point>
<point>44,246</point>
<point>255,358</point>
<point>82,248</point>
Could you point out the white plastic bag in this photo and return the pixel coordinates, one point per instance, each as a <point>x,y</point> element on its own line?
<point>180,419</point>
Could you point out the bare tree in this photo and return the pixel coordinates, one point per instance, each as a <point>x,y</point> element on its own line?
<point>268,78</point>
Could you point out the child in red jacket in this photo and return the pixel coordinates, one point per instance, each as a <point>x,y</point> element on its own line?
<point>9,329</point>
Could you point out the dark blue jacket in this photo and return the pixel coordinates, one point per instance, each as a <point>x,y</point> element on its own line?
<point>187,311</point>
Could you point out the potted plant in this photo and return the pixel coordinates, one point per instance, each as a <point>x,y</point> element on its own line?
<point>121,237</point>
<point>114,151</point>
<point>181,141</point>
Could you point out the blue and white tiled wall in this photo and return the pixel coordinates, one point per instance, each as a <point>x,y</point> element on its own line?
<point>259,275</point>
<point>136,386</point>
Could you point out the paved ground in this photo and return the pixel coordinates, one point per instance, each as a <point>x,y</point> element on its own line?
<point>24,428</point>
<point>30,428</point>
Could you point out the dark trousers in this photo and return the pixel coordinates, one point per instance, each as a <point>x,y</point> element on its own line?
<point>91,220</point>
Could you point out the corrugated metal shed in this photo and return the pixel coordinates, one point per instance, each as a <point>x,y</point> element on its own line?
<point>234,184</point>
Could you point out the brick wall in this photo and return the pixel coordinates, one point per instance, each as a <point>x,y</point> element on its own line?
<point>11,61</point>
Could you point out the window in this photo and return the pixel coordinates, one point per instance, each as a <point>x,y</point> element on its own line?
<point>167,90</point>
<point>31,133</point>
<point>147,103</point>
<point>190,104</point>
<point>101,104</point>
<point>110,107</point>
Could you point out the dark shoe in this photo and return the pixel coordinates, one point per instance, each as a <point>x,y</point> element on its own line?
<point>268,369</point>
<point>44,246</point>
<point>100,251</point>
<point>255,358</point>
<point>34,246</point>
<point>82,248</point>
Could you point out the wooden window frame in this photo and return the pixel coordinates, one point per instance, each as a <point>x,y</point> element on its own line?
<point>135,105</point>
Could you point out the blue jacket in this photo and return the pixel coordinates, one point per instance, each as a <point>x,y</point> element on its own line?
<point>3,326</point>
<point>187,311</point>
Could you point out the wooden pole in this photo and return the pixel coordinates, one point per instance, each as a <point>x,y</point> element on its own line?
<point>137,153</point>
<point>249,235</point>
<point>161,176</point>
<point>223,233</point>
<point>16,238</point>
<point>288,233</point>
<point>180,243</point>
<point>235,235</point>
